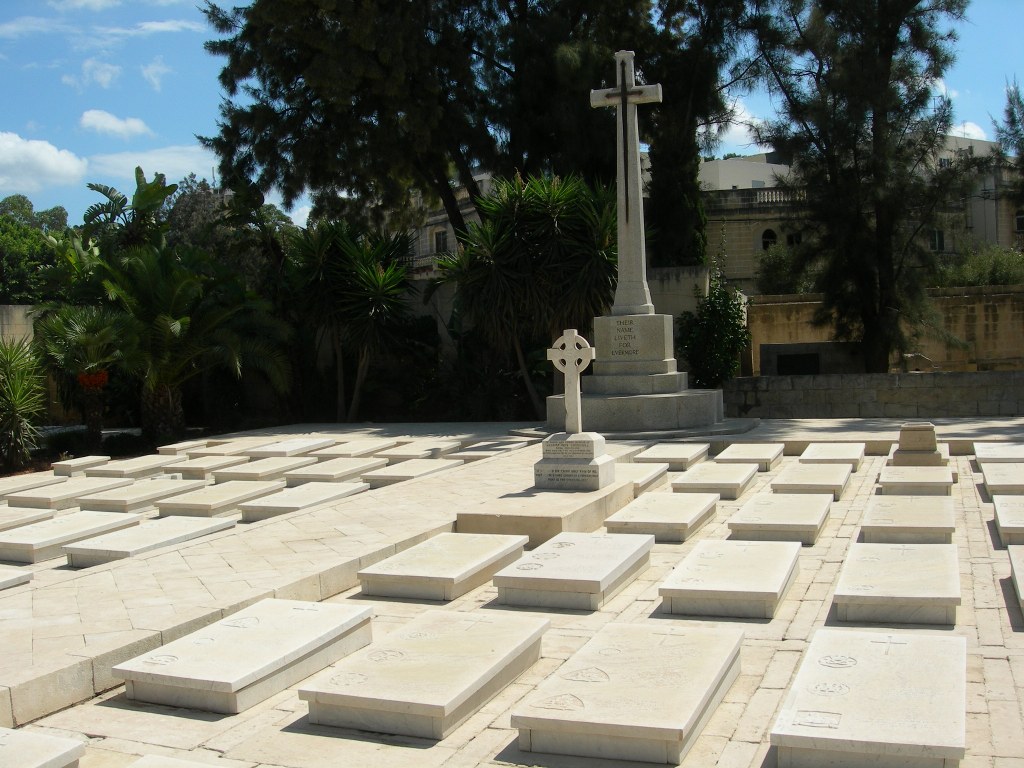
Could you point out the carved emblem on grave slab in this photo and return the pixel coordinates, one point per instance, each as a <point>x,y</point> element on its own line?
<point>837,661</point>
<point>161,660</point>
<point>343,679</point>
<point>386,654</point>
<point>830,689</point>
<point>242,622</point>
<point>565,702</point>
<point>815,719</point>
<point>588,675</point>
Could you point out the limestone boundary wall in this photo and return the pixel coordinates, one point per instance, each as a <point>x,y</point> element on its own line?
<point>877,395</point>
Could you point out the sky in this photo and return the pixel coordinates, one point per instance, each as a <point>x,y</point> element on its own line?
<point>90,89</point>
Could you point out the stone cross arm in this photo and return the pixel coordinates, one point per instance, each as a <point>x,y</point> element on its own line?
<point>634,94</point>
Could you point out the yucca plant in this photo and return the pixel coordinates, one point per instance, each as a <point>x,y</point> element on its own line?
<point>22,401</point>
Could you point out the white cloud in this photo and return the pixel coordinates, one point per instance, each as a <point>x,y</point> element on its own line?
<point>89,5</point>
<point>969,130</point>
<point>105,36</point>
<point>28,165</point>
<point>175,162</point>
<point>155,71</point>
<point>300,215</point>
<point>30,25</point>
<point>104,122</point>
<point>738,136</point>
<point>949,93</point>
<point>94,71</point>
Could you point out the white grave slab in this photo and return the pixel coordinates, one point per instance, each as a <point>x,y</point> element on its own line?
<point>834,453</point>
<point>766,455</point>
<point>1009,517</point>
<point>428,677</point>
<point>136,468</point>
<point>333,470</point>
<point>678,456</point>
<point>729,481</point>
<point>44,540</point>
<point>732,578</point>
<point>443,567</point>
<point>407,470</point>
<point>217,500</point>
<point>875,699</point>
<point>999,453</point>
<point>15,517</point>
<point>177,449</point>
<point>27,749</point>
<point>578,571</point>
<point>262,469</point>
<point>64,495</point>
<point>1006,478</point>
<point>354,448</point>
<point>487,449</point>
<point>798,517</point>
<point>633,692</point>
<point>139,496</point>
<point>203,467</point>
<point>237,662</point>
<point>670,517</point>
<point>231,447</point>
<point>12,576</point>
<point>77,467</point>
<point>300,497</point>
<point>161,761</point>
<point>145,537</point>
<point>16,483</point>
<point>644,476</point>
<point>419,449</point>
<point>1016,554</point>
<point>899,584</point>
<point>295,446</point>
<point>908,520</point>
<point>813,478</point>
<point>917,481</point>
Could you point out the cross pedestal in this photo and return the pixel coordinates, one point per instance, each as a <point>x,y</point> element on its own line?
<point>573,460</point>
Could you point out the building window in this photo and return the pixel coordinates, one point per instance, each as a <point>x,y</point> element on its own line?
<point>938,240</point>
<point>1019,220</point>
<point>441,241</point>
<point>945,162</point>
<point>768,239</point>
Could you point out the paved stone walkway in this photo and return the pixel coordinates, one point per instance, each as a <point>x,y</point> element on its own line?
<point>61,633</point>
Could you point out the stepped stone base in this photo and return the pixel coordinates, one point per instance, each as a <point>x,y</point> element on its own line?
<point>623,413</point>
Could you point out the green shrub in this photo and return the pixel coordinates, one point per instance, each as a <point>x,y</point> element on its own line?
<point>22,401</point>
<point>711,340</point>
<point>983,265</point>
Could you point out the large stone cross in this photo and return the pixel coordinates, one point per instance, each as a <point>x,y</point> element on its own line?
<point>632,296</point>
<point>571,354</point>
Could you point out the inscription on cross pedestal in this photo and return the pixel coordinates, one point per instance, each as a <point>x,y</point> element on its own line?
<point>571,354</point>
<point>632,296</point>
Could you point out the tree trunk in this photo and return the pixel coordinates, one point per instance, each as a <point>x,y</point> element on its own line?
<point>163,419</point>
<point>357,388</point>
<point>538,406</point>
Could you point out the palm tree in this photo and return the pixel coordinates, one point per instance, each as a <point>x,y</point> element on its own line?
<point>118,222</point>
<point>187,317</point>
<point>22,400</point>
<point>80,346</point>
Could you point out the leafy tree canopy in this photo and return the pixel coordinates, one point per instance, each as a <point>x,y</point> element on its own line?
<point>1010,134</point>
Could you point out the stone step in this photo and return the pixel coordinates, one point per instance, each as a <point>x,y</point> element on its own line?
<point>407,470</point>
<point>642,413</point>
<point>333,470</point>
<point>899,584</point>
<point>300,497</point>
<point>909,520</point>
<point>797,517</point>
<point>813,478</point>
<point>147,536</point>
<point>76,467</point>
<point>917,481</point>
<point>64,495</point>
<point>766,455</point>
<point>12,576</point>
<point>669,517</point>
<point>237,662</point>
<point>217,500</point>
<point>834,453</point>
<point>879,699</point>
<point>138,497</point>
<point>443,567</point>
<point>575,570</point>
<point>296,446</point>
<point>28,749</point>
<point>653,384</point>
<point>262,469</point>
<point>44,540</point>
<point>732,578</point>
<point>679,456</point>
<point>729,481</point>
<point>136,468</point>
<point>634,692</point>
<point>427,677</point>
<point>203,467</point>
